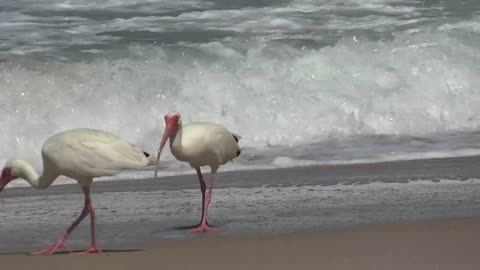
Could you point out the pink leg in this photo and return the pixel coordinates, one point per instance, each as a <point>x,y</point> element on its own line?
<point>61,241</point>
<point>93,248</point>
<point>204,227</point>
<point>203,188</point>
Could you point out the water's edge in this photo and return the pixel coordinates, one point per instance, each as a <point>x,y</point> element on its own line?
<point>456,168</point>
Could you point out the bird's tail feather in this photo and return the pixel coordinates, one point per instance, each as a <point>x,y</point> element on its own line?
<point>236,136</point>
<point>151,159</point>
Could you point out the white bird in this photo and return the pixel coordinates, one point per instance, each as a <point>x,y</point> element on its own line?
<point>200,144</point>
<point>80,154</point>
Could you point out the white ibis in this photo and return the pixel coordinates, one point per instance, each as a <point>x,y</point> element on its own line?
<point>200,144</point>
<point>80,154</point>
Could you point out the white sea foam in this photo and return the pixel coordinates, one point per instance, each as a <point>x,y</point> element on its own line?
<point>419,79</point>
<point>270,95</point>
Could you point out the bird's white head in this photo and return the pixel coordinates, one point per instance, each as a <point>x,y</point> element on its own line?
<point>173,122</point>
<point>13,169</point>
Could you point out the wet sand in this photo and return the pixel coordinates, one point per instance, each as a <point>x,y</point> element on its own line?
<point>459,168</point>
<point>304,217</point>
<point>448,244</point>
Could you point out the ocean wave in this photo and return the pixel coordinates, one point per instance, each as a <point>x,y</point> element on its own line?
<point>273,95</point>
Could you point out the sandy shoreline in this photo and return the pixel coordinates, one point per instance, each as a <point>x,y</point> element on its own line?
<point>447,244</point>
<point>317,216</point>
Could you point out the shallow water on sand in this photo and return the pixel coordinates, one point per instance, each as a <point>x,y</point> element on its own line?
<point>254,202</point>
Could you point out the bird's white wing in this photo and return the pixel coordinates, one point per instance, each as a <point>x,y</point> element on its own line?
<point>119,154</point>
<point>94,153</point>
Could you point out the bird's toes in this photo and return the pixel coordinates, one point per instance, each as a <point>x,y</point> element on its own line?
<point>89,251</point>
<point>52,249</point>
<point>204,228</point>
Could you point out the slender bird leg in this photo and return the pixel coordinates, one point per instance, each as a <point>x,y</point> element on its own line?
<point>61,241</point>
<point>209,196</point>
<point>93,248</point>
<point>204,227</point>
<point>203,188</point>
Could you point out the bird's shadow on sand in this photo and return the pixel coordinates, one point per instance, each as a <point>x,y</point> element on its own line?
<point>104,251</point>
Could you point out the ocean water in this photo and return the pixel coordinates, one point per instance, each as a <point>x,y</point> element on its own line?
<point>303,82</point>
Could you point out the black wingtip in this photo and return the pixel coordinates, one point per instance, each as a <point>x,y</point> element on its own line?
<point>146,154</point>
<point>238,153</point>
<point>235,137</point>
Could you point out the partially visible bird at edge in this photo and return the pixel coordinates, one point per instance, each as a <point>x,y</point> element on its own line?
<point>81,154</point>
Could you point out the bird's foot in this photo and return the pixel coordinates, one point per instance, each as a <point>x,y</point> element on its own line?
<point>204,227</point>
<point>52,249</point>
<point>91,250</point>
<point>200,224</point>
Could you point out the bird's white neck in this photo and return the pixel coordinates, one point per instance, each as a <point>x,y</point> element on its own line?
<point>176,144</point>
<point>175,135</point>
<point>27,172</point>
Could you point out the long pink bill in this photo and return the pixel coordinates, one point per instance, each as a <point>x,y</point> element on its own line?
<point>5,178</point>
<point>162,144</point>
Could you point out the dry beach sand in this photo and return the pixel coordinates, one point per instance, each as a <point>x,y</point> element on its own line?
<point>450,244</point>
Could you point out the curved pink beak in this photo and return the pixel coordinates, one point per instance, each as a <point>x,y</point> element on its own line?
<point>171,126</point>
<point>5,178</point>
<point>165,137</point>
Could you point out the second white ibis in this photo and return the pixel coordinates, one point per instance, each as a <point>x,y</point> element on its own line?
<point>200,144</point>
